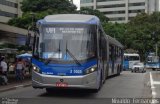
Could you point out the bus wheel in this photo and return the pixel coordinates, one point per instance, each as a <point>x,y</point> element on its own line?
<point>49,90</point>
<point>153,69</point>
<point>118,70</point>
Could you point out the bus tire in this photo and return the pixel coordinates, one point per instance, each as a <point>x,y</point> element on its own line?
<point>153,69</point>
<point>118,70</point>
<point>49,90</point>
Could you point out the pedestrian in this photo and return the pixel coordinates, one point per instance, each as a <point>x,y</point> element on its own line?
<point>3,69</point>
<point>1,76</point>
<point>19,69</point>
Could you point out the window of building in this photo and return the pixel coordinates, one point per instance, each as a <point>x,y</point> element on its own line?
<point>136,11</point>
<point>7,14</point>
<point>137,4</point>
<point>114,12</point>
<point>90,7</point>
<point>110,6</point>
<point>130,18</point>
<point>106,0</point>
<point>117,19</point>
<point>86,1</point>
<point>8,3</point>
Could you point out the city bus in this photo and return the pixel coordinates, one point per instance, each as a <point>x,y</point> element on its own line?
<point>73,51</point>
<point>129,60</point>
<point>152,61</point>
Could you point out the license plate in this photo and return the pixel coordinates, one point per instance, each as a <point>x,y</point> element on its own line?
<point>61,84</point>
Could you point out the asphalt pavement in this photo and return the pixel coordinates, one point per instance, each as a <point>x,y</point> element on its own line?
<point>127,85</point>
<point>14,84</point>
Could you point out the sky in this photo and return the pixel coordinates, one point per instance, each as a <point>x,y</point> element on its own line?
<point>77,3</point>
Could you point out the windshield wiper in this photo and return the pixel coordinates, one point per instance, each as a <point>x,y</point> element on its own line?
<point>74,58</point>
<point>49,60</point>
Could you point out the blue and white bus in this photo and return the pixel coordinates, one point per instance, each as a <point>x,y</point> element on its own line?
<point>152,61</point>
<point>73,51</point>
<point>129,60</point>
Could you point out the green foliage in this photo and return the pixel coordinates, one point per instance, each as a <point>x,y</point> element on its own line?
<point>144,31</point>
<point>43,5</point>
<point>41,8</point>
<point>115,30</point>
<point>140,34</point>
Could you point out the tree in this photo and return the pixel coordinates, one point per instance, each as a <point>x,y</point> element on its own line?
<point>144,32</point>
<point>41,8</point>
<point>115,30</point>
<point>59,6</point>
<point>140,34</point>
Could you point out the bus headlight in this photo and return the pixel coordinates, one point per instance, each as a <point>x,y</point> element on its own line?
<point>90,70</point>
<point>36,69</point>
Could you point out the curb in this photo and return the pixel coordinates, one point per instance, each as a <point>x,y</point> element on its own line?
<point>16,87</point>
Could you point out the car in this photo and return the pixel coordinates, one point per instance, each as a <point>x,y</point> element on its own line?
<point>138,67</point>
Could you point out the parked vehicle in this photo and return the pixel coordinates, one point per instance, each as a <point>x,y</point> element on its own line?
<point>129,60</point>
<point>138,67</point>
<point>152,61</point>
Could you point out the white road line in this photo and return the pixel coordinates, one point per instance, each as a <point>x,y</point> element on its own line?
<point>156,82</point>
<point>18,86</point>
<point>152,86</point>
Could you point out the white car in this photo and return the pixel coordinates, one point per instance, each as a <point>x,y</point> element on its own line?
<point>138,67</point>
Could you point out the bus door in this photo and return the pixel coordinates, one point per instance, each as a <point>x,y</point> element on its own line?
<point>126,63</point>
<point>101,53</point>
<point>111,60</point>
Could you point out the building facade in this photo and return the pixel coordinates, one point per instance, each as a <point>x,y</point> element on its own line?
<point>10,34</point>
<point>122,11</point>
<point>9,9</point>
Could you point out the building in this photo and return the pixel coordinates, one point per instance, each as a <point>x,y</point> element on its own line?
<point>10,34</point>
<point>9,9</point>
<point>121,11</point>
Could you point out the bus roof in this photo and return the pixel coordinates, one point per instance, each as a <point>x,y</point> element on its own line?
<point>114,41</point>
<point>70,18</point>
<point>131,54</point>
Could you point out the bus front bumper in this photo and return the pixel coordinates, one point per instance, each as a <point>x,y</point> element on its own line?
<point>88,81</point>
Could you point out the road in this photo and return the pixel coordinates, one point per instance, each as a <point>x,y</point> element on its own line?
<point>127,85</point>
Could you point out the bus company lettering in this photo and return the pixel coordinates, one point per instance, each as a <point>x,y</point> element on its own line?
<point>121,101</point>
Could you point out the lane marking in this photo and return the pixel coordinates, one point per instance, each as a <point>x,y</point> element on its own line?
<point>152,86</point>
<point>156,82</point>
<point>19,86</point>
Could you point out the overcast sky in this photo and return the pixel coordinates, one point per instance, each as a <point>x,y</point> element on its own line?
<point>77,3</point>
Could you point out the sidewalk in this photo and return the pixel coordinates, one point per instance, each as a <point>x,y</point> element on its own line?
<point>13,83</point>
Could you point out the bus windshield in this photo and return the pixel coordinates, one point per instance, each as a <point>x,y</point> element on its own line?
<point>68,42</point>
<point>131,58</point>
<point>152,59</point>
